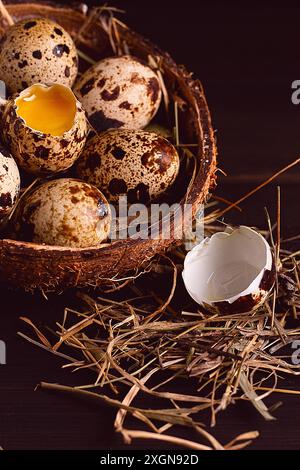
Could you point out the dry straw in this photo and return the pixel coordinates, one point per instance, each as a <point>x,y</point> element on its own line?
<point>136,343</point>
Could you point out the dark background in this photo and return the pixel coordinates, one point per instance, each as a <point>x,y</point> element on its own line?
<point>247,57</point>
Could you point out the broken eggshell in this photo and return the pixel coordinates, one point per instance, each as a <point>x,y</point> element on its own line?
<point>45,128</point>
<point>230,272</point>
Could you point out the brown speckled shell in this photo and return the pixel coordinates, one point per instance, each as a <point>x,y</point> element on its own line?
<point>39,153</point>
<point>139,164</point>
<point>119,92</point>
<point>32,266</point>
<point>9,182</point>
<point>37,51</point>
<point>246,303</point>
<point>64,212</point>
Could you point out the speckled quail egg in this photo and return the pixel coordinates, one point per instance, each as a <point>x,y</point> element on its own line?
<point>37,51</point>
<point>64,212</point>
<point>9,183</point>
<point>45,128</point>
<point>138,164</point>
<point>119,92</point>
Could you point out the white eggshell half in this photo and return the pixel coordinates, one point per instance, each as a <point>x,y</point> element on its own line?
<point>227,266</point>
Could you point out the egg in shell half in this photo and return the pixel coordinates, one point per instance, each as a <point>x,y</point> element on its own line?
<point>9,183</point>
<point>119,92</point>
<point>45,128</point>
<point>37,50</point>
<point>64,212</point>
<point>139,164</point>
<point>230,272</point>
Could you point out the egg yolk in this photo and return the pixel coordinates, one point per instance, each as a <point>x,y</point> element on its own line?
<point>50,110</point>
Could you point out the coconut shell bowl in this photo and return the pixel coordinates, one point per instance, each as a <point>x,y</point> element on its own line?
<point>99,34</point>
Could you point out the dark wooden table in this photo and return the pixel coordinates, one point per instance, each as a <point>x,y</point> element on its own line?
<point>247,58</point>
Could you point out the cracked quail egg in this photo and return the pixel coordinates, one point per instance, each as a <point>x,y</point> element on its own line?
<point>9,183</point>
<point>45,128</point>
<point>139,164</point>
<point>37,51</point>
<point>64,212</point>
<point>119,92</point>
<point>230,272</point>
